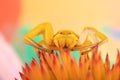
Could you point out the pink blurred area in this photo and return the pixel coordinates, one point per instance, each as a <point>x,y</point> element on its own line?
<point>9,17</point>
<point>10,64</point>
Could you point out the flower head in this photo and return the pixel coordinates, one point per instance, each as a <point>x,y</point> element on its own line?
<point>64,67</point>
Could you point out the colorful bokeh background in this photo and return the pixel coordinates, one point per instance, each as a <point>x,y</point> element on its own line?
<point>17,17</point>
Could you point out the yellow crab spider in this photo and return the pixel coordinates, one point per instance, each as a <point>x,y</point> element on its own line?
<point>67,39</point>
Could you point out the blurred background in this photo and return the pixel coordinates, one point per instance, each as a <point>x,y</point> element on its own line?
<point>17,17</point>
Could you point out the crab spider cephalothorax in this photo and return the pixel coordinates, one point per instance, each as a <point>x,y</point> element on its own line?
<point>67,39</point>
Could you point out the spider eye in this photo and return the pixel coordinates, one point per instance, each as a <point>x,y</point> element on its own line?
<point>69,32</point>
<point>61,32</point>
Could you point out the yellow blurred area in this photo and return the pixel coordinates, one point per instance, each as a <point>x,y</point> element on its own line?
<point>74,15</point>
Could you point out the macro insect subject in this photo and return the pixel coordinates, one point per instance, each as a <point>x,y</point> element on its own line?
<point>67,39</point>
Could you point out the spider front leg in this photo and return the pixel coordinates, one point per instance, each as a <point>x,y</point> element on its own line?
<point>46,30</point>
<point>89,38</point>
<point>98,35</point>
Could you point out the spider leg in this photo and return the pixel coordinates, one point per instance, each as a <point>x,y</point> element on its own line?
<point>98,34</point>
<point>89,38</point>
<point>45,29</point>
<point>36,49</point>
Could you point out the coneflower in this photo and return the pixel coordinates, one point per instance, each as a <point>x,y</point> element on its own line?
<point>64,67</point>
